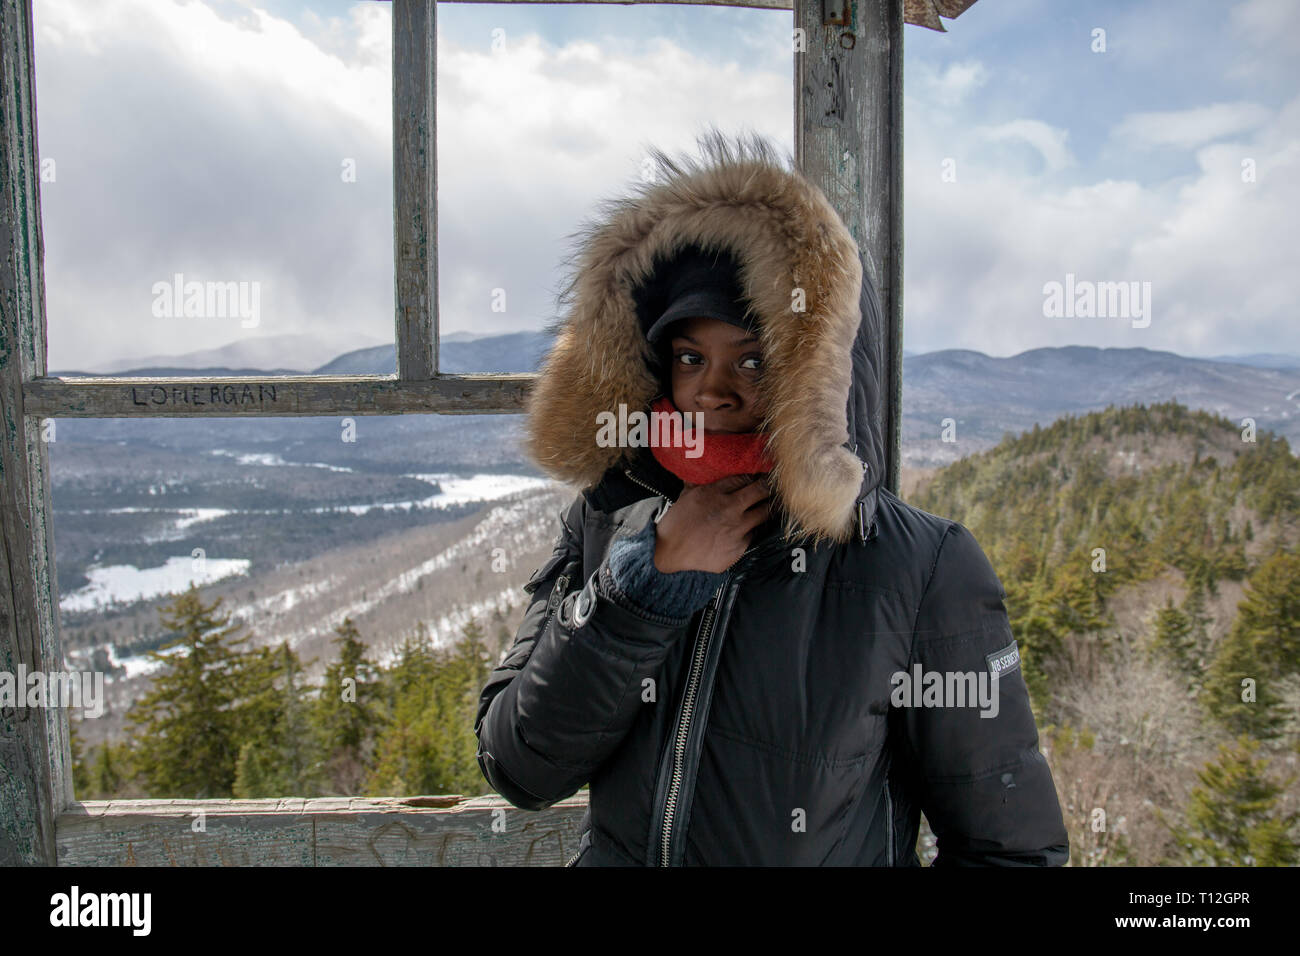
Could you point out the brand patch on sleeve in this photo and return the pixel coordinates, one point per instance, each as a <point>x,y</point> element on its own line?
<point>1007,659</point>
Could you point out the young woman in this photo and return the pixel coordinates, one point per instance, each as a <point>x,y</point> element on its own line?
<point>752,651</point>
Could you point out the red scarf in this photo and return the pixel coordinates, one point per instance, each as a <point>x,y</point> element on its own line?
<point>723,453</point>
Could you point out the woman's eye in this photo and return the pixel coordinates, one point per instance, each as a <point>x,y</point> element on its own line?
<point>686,357</point>
<point>758,363</point>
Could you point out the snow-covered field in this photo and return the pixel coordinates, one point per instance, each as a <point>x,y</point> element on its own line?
<point>271,458</point>
<point>139,664</point>
<point>125,582</point>
<point>455,490</point>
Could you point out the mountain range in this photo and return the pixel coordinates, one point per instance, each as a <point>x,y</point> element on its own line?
<point>955,401</point>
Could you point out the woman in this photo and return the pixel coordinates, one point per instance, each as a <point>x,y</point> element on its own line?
<point>736,640</point>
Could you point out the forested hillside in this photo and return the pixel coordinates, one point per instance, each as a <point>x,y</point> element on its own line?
<point>1153,583</point>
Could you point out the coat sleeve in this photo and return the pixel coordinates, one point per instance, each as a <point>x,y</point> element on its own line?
<point>983,783</point>
<point>566,693</point>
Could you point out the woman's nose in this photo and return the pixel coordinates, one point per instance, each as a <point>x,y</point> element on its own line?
<point>716,390</point>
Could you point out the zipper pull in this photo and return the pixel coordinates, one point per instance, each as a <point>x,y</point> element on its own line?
<point>557,592</point>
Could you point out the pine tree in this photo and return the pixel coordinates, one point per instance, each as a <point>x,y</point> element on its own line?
<point>467,671</point>
<point>108,774</point>
<point>347,715</point>
<point>1233,819</point>
<point>81,774</point>
<point>1198,622</point>
<point>429,745</point>
<point>1263,647</point>
<point>279,755</point>
<point>474,653</point>
<point>1173,638</point>
<point>188,724</point>
<point>403,751</point>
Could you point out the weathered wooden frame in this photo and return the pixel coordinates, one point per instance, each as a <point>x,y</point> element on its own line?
<point>848,134</point>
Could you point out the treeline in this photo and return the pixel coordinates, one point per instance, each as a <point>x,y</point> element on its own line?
<point>1065,535</point>
<point>223,719</point>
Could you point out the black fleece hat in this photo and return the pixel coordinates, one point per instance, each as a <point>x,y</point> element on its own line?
<point>693,283</point>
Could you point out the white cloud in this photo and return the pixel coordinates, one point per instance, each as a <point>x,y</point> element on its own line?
<point>1267,32</point>
<point>949,87</point>
<point>1268,21</point>
<point>1187,129</point>
<point>541,133</point>
<point>254,54</point>
<point>1225,250</point>
<point>186,142</point>
<point>1049,141</point>
<point>1217,251</point>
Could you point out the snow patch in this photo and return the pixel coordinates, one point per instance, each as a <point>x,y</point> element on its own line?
<point>126,582</point>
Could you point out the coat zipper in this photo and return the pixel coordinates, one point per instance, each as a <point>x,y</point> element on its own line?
<point>889,820</point>
<point>688,709</point>
<point>628,472</point>
<point>684,722</point>
<point>687,713</point>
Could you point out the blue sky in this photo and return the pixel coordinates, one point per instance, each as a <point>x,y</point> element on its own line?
<point>206,138</point>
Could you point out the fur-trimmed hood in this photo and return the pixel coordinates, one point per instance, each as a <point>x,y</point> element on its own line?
<point>822,366</point>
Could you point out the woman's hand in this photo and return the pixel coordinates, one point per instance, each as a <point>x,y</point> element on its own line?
<point>708,527</point>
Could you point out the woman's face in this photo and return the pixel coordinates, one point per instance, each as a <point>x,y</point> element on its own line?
<point>715,367</point>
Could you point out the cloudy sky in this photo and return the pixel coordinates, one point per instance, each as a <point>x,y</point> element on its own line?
<point>210,138</point>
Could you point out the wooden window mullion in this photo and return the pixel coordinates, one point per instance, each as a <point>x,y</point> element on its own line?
<point>415,187</point>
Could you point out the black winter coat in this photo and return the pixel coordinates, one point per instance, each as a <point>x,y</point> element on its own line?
<point>767,728</point>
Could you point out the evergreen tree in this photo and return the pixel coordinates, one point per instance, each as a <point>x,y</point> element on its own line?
<point>1198,634</point>
<point>348,714</point>
<point>429,746</point>
<point>465,672</point>
<point>188,724</point>
<point>1173,638</point>
<point>81,773</point>
<point>475,656</point>
<point>278,754</point>
<point>403,751</point>
<point>1263,647</point>
<point>1233,819</point>
<point>108,774</point>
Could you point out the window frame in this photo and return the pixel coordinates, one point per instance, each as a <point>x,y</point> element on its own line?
<point>41,823</point>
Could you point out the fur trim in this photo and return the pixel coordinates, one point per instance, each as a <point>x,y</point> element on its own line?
<point>786,236</point>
